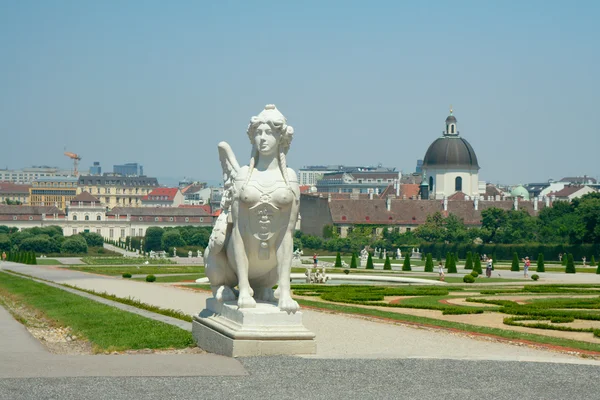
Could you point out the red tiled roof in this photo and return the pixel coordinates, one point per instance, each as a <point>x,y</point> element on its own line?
<point>84,197</point>
<point>409,190</point>
<point>205,207</point>
<point>457,196</point>
<point>9,187</point>
<point>567,191</point>
<point>161,192</point>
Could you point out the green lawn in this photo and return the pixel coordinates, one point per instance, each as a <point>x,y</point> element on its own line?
<point>144,269</point>
<point>125,261</point>
<point>47,261</point>
<point>174,278</point>
<point>106,327</point>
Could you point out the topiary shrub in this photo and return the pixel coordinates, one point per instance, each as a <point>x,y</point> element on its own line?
<point>370,262</point>
<point>353,263</point>
<point>346,271</point>
<point>593,261</point>
<point>338,260</point>
<point>469,261</point>
<point>474,274</point>
<point>535,277</point>
<point>540,264</point>
<point>515,262</point>
<point>387,265</point>
<point>150,278</point>
<point>570,269</point>
<point>468,278</point>
<point>429,263</point>
<point>406,264</point>
<point>477,265</point>
<point>451,264</point>
<point>126,275</point>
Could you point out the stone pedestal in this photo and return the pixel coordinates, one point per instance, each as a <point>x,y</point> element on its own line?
<point>224,329</point>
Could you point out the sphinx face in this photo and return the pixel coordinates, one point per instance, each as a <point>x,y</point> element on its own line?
<point>267,140</point>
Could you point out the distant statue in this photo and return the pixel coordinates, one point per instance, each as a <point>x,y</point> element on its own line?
<point>190,254</point>
<point>174,251</point>
<point>199,254</point>
<point>398,254</point>
<point>252,241</point>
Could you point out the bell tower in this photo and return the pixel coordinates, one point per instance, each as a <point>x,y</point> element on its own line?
<point>451,125</point>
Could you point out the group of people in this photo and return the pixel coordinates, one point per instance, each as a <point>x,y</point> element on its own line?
<point>489,265</point>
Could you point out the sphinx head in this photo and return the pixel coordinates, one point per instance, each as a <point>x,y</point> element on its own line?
<point>269,132</point>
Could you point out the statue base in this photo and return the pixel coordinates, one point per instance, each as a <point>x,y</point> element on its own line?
<point>224,329</point>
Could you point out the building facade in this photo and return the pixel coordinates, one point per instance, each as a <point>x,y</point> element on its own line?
<point>28,175</point>
<point>129,169</point>
<point>118,191</point>
<point>53,191</point>
<point>14,193</point>
<point>163,197</point>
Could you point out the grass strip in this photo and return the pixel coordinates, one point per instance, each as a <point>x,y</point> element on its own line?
<point>130,301</point>
<point>125,260</point>
<point>47,261</point>
<point>174,278</point>
<point>505,334</point>
<point>106,327</point>
<point>120,270</point>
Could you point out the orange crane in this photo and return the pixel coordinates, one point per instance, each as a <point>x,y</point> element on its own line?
<point>76,158</point>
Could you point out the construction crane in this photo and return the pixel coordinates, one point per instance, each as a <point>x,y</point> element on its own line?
<point>76,158</point>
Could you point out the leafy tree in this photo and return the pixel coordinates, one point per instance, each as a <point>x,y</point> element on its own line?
<point>387,265</point>
<point>406,264</point>
<point>338,260</point>
<point>429,263</point>
<point>451,264</point>
<point>172,238</point>
<point>93,239</point>
<point>370,262</point>
<point>74,245</point>
<point>515,262</point>
<point>39,244</point>
<point>469,261</point>
<point>493,219</point>
<point>540,263</point>
<point>353,263</point>
<point>4,242</point>
<point>477,265</point>
<point>329,232</point>
<point>570,265</point>
<point>153,238</point>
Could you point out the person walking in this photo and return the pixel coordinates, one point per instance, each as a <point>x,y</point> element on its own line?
<point>526,267</point>
<point>315,260</point>
<point>488,268</point>
<point>441,271</point>
<point>3,256</point>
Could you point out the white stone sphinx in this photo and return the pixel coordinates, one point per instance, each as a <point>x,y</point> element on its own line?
<point>251,248</point>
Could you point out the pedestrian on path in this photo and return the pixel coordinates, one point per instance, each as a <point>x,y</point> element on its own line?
<point>488,268</point>
<point>315,260</point>
<point>526,267</point>
<point>441,271</point>
<point>3,256</point>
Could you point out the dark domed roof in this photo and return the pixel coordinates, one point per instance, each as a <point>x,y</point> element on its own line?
<point>449,152</point>
<point>451,118</point>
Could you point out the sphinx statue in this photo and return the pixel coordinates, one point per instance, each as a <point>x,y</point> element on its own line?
<point>251,245</point>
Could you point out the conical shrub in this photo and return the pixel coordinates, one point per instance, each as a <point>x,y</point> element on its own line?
<point>338,260</point>
<point>387,265</point>
<point>477,265</point>
<point>429,263</point>
<point>593,261</point>
<point>469,261</point>
<point>406,264</point>
<point>570,269</point>
<point>540,263</point>
<point>370,262</point>
<point>515,262</point>
<point>451,264</point>
<point>353,261</point>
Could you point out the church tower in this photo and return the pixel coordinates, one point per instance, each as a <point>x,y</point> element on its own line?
<point>451,125</point>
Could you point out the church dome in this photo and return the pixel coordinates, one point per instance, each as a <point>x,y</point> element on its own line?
<point>520,191</point>
<point>450,152</point>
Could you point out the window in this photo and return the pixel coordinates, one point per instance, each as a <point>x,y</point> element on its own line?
<point>431,183</point>
<point>87,217</point>
<point>141,218</point>
<point>98,231</point>
<point>408,229</point>
<point>458,184</point>
<point>187,219</point>
<point>201,219</point>
<point>74,231</point>
<point>155,219</point>
<point>171,219</point>
<point>122,233</point>
<point>111,232</point>
<point>31,218</point>
<point>452,128</point>
<point>98,217</point>
<point>74,217</point>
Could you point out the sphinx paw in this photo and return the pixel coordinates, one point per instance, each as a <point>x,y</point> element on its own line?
<point>288,305</point>
<point>265,294</point>
<point>224,293</point>
<point>246,301</point>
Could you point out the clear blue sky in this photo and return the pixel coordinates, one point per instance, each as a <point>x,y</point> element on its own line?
<point>161,83</point>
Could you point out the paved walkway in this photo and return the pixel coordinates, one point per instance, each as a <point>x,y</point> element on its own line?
<point>338,335</point>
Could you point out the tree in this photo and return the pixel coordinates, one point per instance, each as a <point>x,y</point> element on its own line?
<point>477,265</point>
<point>469,261</point>
<point>93,239</point>
<point>593,261</point>
<point>564,260</point>
<point>515,262</point>
<point>570,265</point>
<point>451,264</point>
<point>353,261</point>
<point>370,262</point>
<point>338,260</point>
<point>39,244</point>
<point>406,264</point>
<point>4,242</point>
<point>429,263</point>
<point>540,263</point>
<point>153,238</point>
<point>74,245</point>
<point>387,265</point>
<point>172,238</point>
<point>493,219</point>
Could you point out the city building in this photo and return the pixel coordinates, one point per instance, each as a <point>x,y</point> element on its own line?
<point>163,197</point>
<point>309,175</point>
<point>571,192</point>
<point>14,193</point>
<point>129,169</point>
<point>450,165</point>
<point>28,175</point>
<point>96,169</point>
<point>374,181</point>
<point>343,212</point>
<point>24,217</point>
<point>116,190</point>
<point>53,191</point>
<point>196,194</point>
